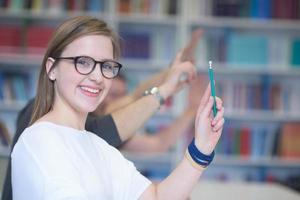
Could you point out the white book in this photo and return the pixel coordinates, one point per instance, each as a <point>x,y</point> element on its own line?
<point>279,51</point>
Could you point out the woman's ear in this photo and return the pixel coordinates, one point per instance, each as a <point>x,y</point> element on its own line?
<point>50,71</point>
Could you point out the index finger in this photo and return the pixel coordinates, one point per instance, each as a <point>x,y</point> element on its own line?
<point>188,50</point>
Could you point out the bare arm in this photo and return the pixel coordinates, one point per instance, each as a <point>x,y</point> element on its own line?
<point>141,110</point>
<point>163,140</point>
<point>180,183</point>
<point>131,117</point>
<point>177,185</point>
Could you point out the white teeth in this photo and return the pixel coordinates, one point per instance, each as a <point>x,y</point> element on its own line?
<point>95,91</point>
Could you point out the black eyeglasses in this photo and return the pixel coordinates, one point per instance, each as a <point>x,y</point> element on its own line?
<point>85,65</point>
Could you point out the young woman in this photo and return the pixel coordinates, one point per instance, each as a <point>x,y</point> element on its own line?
<point>56,158</point>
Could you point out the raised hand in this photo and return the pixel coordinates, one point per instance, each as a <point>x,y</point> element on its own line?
<point>189,50</point>
<point>208,129</point>
<point>178,76</point>
<point>172,82</point>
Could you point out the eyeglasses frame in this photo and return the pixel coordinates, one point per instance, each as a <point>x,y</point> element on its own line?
<point>75,58</point>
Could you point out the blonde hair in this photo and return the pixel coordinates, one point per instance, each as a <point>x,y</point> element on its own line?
<point>65,34</point>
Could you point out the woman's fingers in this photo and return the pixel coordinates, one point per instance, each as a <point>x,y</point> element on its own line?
<point>219,125</point>
<point>219,103</point>
<point>220,115</point>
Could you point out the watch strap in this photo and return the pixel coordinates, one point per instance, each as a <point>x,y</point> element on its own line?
<point>154,91</point>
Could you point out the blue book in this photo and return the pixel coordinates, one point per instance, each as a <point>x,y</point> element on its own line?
<point>222,147</point>
<point>19,87</point>
<point>95,5</point>
<point>248,97</point>
<point>247,49</point>
<point>2,3</point>
<point>266,92</point>
<point>261,8</point>
<point>295,53</point>
<point>1,86</point>
<point>137,45</point>
<point>257,142</point>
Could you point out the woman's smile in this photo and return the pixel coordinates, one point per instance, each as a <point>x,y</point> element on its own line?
<point>90,91</point>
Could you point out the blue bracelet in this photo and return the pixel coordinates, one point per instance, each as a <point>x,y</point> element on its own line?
<point>198,157</point>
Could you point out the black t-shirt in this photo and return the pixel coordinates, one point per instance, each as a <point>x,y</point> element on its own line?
<point>104,127</point>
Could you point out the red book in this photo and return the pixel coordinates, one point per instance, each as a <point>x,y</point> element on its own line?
<point>288,9</point>
<point>71,5</point>
<point>37,38</point>
<point>124,6</point>
<point>245,141</point>
<point>10,36</point>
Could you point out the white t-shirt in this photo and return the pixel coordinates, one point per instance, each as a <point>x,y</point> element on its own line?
<point>53,162</point>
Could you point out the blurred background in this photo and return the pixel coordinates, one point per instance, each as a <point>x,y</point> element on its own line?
<point>255,49</point>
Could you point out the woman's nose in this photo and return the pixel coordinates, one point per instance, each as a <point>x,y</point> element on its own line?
<point>96,74</point>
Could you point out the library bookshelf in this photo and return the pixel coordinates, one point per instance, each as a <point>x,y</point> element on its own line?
<point>254,54</point>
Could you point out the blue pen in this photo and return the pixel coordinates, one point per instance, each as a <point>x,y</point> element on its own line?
<point>212,86</point>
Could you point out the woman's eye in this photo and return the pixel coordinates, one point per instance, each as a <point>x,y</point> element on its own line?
<point>84,61</point>
<point>107,66</point>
